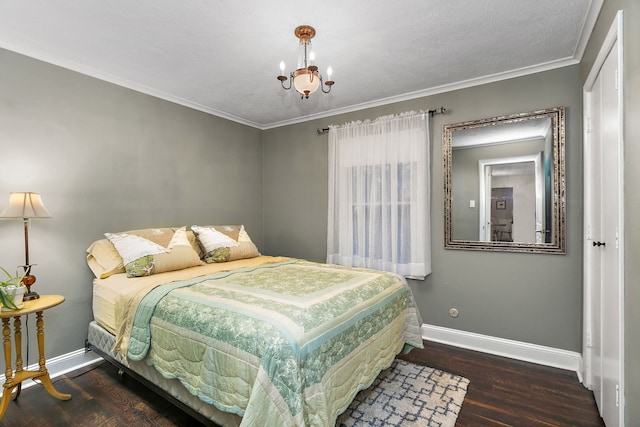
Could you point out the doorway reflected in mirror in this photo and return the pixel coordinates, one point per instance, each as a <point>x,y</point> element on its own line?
<point>502,214</point>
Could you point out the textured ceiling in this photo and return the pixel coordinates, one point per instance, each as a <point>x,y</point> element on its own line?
<point>223,57</point>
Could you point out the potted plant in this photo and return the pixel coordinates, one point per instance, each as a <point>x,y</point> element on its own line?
<point>11,291</point>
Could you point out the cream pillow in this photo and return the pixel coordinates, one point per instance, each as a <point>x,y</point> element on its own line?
<point>103,259</point>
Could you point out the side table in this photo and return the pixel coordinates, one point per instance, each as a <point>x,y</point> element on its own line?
<point>37,306</point>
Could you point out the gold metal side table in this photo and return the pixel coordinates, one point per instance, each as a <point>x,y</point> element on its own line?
<point>13,380</point>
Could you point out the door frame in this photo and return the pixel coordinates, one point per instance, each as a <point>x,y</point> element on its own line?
<point>484,182</point>
<point>615,35</point>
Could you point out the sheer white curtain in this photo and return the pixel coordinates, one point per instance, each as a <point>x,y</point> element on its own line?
<point>379,195</point>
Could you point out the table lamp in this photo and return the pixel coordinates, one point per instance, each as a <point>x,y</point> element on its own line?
<point>26,206</point>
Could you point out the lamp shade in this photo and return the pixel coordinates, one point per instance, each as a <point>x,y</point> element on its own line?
<point>25,205</point>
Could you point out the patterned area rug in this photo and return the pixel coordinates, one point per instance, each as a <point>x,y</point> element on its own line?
<point>408,395</point>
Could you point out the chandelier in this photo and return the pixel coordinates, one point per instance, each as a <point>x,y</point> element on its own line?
<point>306,78</point>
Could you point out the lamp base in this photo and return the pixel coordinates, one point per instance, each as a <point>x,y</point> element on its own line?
<point>30,296</point>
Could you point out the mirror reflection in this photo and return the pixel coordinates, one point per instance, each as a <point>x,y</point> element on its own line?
<point>504,183</point>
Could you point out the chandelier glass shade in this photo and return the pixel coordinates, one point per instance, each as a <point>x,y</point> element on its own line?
<point>305,79</point>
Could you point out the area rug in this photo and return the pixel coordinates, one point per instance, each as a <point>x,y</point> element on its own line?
<point>407,394</point>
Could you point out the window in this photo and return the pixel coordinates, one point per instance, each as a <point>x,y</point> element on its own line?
<point>378,195</point>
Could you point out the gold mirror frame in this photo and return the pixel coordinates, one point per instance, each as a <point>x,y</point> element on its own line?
<point>558,202</point>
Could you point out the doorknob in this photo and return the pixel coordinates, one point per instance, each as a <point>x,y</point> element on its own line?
<point>599,243</point>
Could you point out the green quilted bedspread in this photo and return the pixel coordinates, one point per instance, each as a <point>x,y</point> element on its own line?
<point>280,344</point>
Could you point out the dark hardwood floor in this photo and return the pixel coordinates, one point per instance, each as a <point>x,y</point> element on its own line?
<point>507,392</point>
<point>502,392</point>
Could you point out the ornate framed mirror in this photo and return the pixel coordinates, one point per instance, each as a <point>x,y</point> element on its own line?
<point>504,183</point>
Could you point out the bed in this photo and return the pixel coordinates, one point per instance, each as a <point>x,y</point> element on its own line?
<point>243,339</point>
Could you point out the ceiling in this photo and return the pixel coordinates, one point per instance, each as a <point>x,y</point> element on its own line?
<point>223,57</point>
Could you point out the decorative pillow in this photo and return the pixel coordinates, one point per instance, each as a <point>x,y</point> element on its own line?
<point>192,240</point>
<point>103,259</point>
<point>222,243</point>
<point>143,257</point>
<point>246,248</point>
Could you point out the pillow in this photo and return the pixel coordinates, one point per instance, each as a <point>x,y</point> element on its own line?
<point>143,257</point>
<point>246,248</point>
<point>192,240</point>
<point>224,243</point>
<point>103,259</point>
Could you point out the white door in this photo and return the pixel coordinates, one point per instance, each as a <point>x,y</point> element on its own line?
<point>603,243</point>
<point>541,225</point>
<point>592,258</point>
<point>485,201</point>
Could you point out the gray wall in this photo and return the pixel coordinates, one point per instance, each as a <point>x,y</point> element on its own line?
<point>105,158</point>
<point>524,297</point>
<point>631,84</point>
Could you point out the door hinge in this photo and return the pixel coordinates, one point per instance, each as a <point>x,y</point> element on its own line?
<point>617,79</point>
<point>617,396</point>
<point>589,343</point>
<point>588,124</point>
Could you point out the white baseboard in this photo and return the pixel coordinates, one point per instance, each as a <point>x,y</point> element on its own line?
<point>60,365</point>
<point>534,353</point>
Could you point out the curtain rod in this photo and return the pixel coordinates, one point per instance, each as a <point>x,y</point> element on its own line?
<point>439,110</point>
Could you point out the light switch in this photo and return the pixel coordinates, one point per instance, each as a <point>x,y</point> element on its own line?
<point>472,203</point>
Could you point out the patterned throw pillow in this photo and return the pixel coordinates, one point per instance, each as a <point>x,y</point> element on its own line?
<point>142,257</point>
<point>222,243</point>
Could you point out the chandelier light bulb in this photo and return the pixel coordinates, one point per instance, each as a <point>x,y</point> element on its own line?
<point>312,57</point>
<point>281,68</point>
<point>329,72</point>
